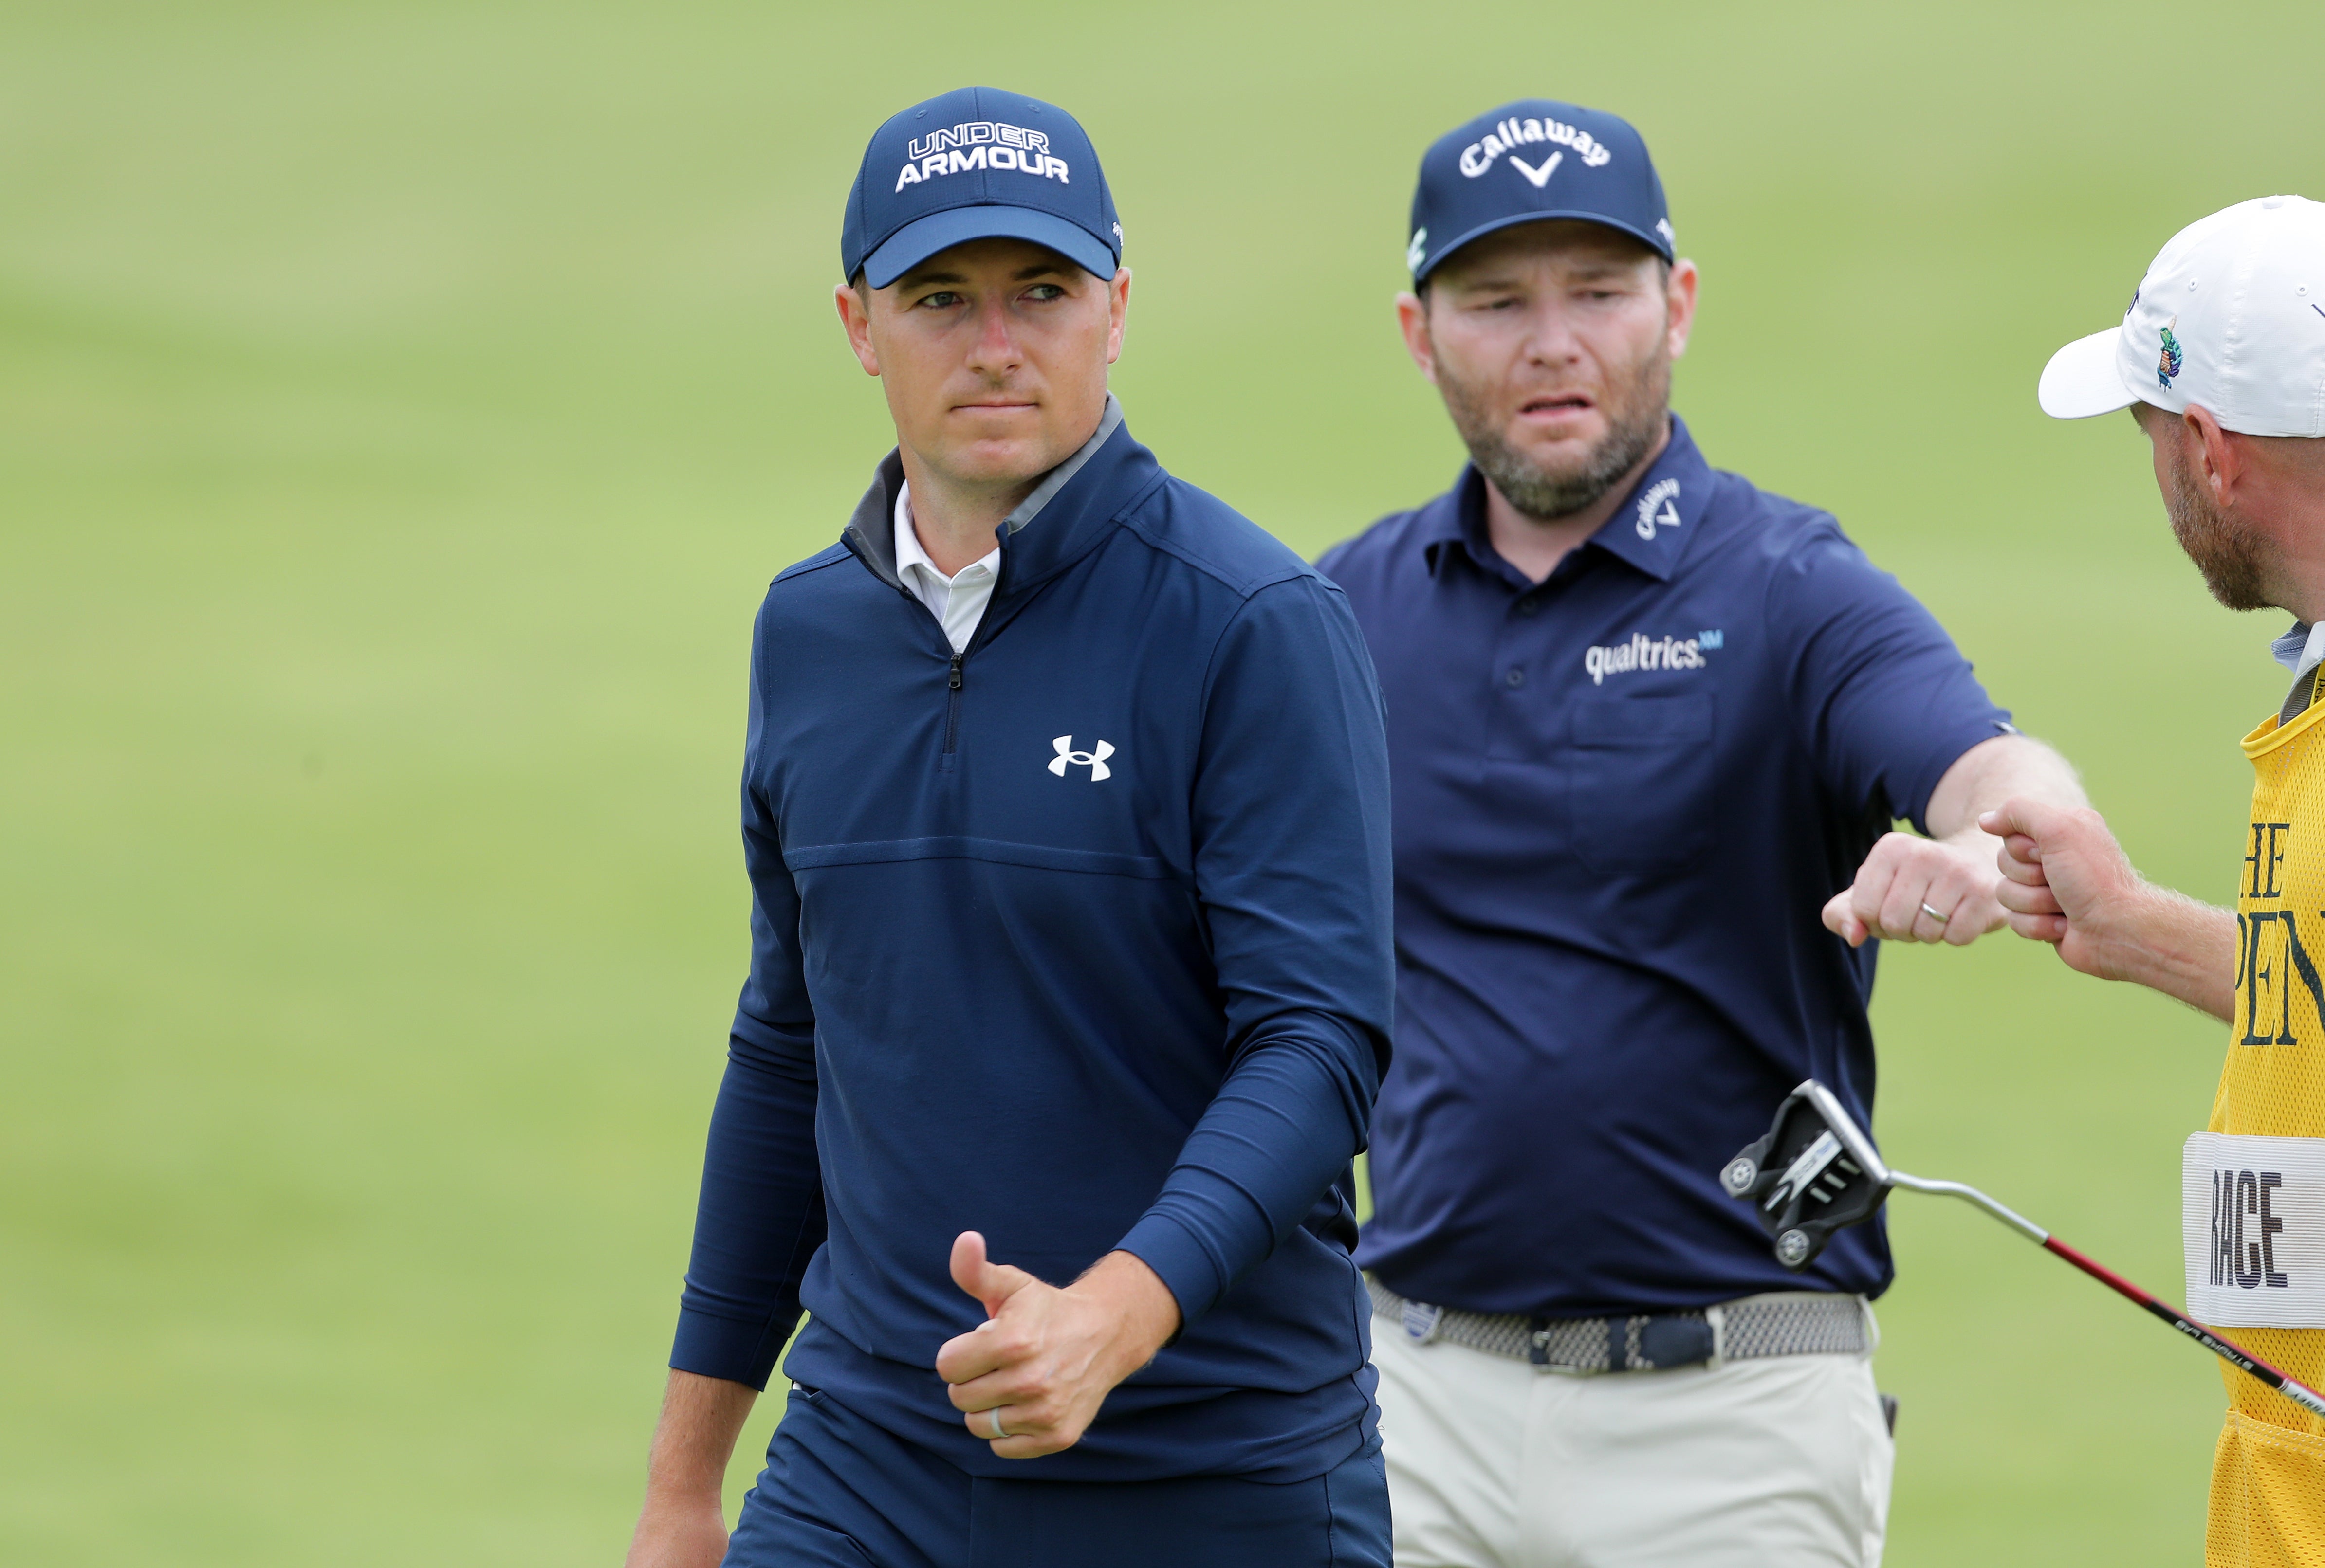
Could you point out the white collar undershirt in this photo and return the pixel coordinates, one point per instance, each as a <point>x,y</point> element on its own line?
<point>958,601</point>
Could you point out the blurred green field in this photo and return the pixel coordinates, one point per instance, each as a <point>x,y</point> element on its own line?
<point>404,406</point>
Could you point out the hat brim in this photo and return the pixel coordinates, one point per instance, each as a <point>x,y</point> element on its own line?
<point>1654,241</point>
<point>2082,381</point>
<point>917,241</point>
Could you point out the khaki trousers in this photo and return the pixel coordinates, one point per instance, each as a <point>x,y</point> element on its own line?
<point>1492,1463</point>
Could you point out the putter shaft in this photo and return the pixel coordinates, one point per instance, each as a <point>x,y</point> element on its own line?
<point>2228,1351</point>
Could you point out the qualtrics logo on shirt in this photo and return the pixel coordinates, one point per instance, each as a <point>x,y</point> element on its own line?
<point>1644,652</point>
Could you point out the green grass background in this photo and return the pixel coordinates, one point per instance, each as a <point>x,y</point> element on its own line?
<point>402,407</point>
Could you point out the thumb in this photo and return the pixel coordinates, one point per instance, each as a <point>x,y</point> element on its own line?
<point>2026,818</point>
<point>991,1283</point>
<point>1841,918</point>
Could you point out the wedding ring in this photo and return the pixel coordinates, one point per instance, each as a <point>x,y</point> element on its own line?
<point>1933,915</point>
<point>992,1419</point>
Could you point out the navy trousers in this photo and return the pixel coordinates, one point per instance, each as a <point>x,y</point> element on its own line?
<point>840,1492</point>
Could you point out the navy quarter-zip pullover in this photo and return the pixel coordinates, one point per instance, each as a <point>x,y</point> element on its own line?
<point>1079,938</point>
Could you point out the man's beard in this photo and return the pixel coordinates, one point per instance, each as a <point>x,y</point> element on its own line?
<point>2226,553</point>
<point>1634,424</point>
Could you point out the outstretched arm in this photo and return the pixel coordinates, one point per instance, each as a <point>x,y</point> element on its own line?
<point>1953,872</point>
<point>2068,883</point>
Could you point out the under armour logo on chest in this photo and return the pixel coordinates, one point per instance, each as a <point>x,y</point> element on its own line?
<point>1067,757</point>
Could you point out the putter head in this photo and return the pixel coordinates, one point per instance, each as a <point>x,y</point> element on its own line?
<point>1815,1173</point>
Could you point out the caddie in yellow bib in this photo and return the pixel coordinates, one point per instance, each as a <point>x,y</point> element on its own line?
<point>2221,359</point>
<point>2254,1182</point>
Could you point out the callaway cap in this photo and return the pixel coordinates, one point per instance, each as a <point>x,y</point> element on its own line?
<point>2231,316</point>
<point>976,163</point>
<point>1532,159</point>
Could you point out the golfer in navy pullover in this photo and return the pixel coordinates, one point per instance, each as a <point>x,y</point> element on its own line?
<point>1065,811</point>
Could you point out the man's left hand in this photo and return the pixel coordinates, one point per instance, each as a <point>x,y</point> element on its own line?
<point>1920,889</point>
<point>1046,1358</point>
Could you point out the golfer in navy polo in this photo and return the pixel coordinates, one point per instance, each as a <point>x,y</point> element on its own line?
<point>1649,726</point>
<point>1065,810</point>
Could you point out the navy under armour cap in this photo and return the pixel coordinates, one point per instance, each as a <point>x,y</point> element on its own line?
<point>1529,161</point>
<point>975,164</point>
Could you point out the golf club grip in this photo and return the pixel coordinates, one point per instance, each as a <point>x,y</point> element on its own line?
<point>2228,1351</point>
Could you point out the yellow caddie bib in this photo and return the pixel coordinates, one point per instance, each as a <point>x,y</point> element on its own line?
<point>2268,1472</point>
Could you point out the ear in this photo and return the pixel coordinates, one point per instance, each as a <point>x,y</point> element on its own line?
<point>1117,307</point>
<point>1412,320</point>
<point>2223,457</point>
<point>1680,304</point>
<point>856,319</point>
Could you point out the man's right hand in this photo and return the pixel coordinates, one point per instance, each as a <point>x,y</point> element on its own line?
<point>683,1524</point>
<point>2068,883</point>
<point>2065,880</point>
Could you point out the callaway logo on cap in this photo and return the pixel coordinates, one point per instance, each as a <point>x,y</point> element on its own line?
<point>978,163</point>
<point>1532,159</point>
<point>2230,317</point>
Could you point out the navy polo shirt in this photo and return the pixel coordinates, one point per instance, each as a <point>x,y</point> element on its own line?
<point>1620,801</point>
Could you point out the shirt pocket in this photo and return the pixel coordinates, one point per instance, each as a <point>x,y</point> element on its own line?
<point>1641,777</point>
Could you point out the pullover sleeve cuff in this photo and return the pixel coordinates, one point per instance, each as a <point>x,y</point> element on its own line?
<point>739,1351</point>
<point>1195,1280</point>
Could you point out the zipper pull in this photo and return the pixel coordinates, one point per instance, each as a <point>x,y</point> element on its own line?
<point>952,681</point>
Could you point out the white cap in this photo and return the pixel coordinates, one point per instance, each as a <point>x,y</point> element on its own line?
<point>2231,316</point>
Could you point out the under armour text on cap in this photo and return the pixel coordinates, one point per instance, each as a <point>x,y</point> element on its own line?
<point>2230,317</point>
<point>1532,159</point>
<point>978,163</point>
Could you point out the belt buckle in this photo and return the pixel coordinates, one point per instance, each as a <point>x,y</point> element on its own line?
<point>1421,1321</point>
<point>1667,1342</point>
<point>1538,1337</point>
